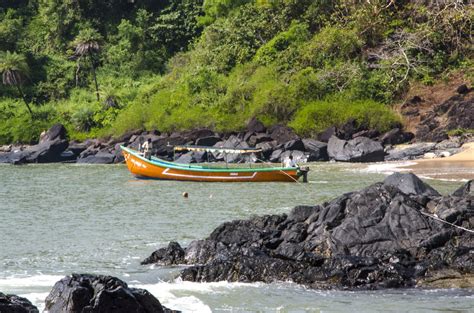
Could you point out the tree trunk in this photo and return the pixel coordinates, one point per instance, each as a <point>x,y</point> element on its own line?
<point>24,99</point>
<point>95,77</point>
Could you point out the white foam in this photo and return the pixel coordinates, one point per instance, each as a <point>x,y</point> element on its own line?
<point>442,179</point>
<point>36,298</point>
<point>166,293</point>
<point>30,281</point>
<point>388,168</point>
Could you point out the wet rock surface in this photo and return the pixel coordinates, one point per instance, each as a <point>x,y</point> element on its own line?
<point>97,293</point>
<point>383,236</point>
<point>360,149</point>
<point>16,304</point>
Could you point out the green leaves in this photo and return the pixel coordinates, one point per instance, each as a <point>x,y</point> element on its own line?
<point>13,67</point>
<point>87,42</point>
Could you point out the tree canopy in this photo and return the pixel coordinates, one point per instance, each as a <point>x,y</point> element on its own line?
<point>179,64</point>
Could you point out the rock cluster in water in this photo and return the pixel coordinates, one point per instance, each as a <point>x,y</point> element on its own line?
<point>16,304</point>
<point>97,293</point>
<point>384,236</point>
<point>80,293</point>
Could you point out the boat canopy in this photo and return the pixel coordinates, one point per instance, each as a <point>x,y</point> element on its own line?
<point>217,149</point>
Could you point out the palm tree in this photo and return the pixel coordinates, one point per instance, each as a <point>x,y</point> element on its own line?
<point>87,43</point>
<point>14,70</point>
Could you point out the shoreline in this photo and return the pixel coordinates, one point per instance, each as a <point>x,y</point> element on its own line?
<point>458,167</point>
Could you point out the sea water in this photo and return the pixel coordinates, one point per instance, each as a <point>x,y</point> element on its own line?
<point>60,219</point>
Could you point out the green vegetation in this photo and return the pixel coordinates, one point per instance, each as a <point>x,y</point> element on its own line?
<point>460,132</point>
<point>104,67</point>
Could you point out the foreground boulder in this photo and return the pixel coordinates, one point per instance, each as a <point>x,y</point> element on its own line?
<point>360,149</point>
<point>93,293</point>
<point>15,304</point>
<point>384,236</point>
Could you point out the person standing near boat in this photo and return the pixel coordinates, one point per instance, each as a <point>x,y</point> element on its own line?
<point>147,148</point>
<point>290,162</point>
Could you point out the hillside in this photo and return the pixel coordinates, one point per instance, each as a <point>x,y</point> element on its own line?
<point>102,68</point>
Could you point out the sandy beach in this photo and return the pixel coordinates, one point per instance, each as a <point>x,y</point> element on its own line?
<point>456,167</point>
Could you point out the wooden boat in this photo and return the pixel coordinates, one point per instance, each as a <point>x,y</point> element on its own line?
<point>157,168</point>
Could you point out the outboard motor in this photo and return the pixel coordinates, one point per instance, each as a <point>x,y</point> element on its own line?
<point>303,171</point>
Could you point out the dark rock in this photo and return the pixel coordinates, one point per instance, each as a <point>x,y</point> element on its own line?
<point>258,138</point>
<point>296,144</point>
<point>76,147</point>
<point>164,146</point>
<point>173,254</point>
<point>117,152</point>
<point>97,293</point>
<point>275,157</point>
<point>255,126</point>
<point>44,152</point>
<point>455,113</point>
<point>101,157</point>
<point>16,304</point>
<point>282,134</point>
<point>267,148</point>
<point>57,131</point>
<point>462,89</point>
<point>360,149</point>
<point>47,151</point>
<point>347,130</point>
<point>411,152</point>
<point>192,157</point>
<point>369,133</point>
<point>298,156</point>
<point>208,141</point>
<point>373,238</point>
<point>410,184</point>
<point>415,100</point>
<point>466,190</point>
<point>396,136</point>
<point>193,135</point>
<point>127,136</point>
<point>327,134</point>
<point>303,212</point>
<point>318,151</point>
<point>231,142</point>
<point>452,143</point>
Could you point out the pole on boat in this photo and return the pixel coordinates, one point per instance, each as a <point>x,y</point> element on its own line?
<point>225,158</point>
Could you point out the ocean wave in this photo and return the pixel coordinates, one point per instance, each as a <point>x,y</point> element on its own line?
<point>178,295</point>
<point>387,168</point>
<point>16,282</point>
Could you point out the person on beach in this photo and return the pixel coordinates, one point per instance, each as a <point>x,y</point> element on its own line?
<point>290,162</point>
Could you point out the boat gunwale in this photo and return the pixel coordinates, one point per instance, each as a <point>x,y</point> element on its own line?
<point>179,166</point>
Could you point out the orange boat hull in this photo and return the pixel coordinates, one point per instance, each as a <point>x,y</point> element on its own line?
<point>143,168</point>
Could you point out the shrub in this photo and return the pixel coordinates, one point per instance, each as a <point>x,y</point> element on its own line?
<point>316,116</point>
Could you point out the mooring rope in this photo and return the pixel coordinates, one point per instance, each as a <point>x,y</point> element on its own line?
<point>435,217</point>
<point>296,180</point>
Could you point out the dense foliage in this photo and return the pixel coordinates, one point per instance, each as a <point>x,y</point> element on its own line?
<point>105,67</point>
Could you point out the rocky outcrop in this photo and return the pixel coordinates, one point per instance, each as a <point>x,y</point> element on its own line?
<point>97,293</point>
<point>360,149</point>
<point>318,151</point>
<point>15,304</point>
<point>50,148</point>
<point>384,236</point>
<point>434,121</point>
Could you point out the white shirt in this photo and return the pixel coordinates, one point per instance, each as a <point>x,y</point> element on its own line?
<point>145,146</point>
<point>290,163</point>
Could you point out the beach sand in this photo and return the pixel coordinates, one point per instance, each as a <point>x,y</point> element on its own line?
<point>456,167</point>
